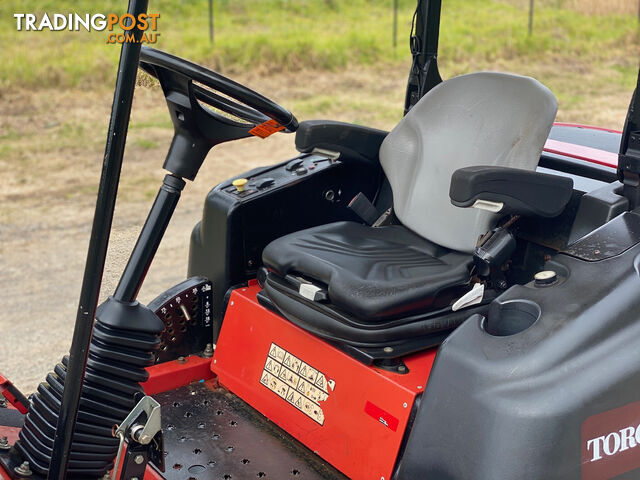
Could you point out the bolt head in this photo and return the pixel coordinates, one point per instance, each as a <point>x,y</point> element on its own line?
<point>208,351</point>
<point>23,470</point>
<point>138,459</point>
<point>387,349</point>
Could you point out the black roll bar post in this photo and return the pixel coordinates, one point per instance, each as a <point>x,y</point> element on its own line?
<point>425,32</point>
<point>629,155</point>
<point>97,252</point>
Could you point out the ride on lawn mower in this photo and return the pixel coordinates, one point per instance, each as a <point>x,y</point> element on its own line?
<point>454,299</point>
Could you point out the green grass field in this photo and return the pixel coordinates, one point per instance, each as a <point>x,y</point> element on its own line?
<point>319,58</point>
<point>290,35</point>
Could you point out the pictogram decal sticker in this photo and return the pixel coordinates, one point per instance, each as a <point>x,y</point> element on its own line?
<point>296,382</point>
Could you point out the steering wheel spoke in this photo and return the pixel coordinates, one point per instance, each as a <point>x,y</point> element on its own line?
<point>196,127</point>
<point>247,114</point>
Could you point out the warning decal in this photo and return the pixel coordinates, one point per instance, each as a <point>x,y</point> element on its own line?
<point>266,129</point>
<point>296,382</point>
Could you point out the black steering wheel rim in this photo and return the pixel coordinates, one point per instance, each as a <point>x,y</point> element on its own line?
<point>253,107</point>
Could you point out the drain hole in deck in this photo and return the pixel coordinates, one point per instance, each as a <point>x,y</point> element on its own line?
<point>245,460</point>
<point>218,412</point>
<point>177,466</point>
<point>196,469</point>
<point>233,423</point>
<point>261,474</point>
<point>295,472</point>
<point>229,448</point>
<point>196,451</point>
<point>216,436</point>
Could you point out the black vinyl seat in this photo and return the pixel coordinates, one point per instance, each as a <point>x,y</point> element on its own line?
<point>372,273</point>
<point>375,285</point>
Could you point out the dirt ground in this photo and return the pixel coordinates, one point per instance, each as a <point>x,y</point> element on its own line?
<point>42,258</point>
<point>50,174</point>
<point>51,147</point>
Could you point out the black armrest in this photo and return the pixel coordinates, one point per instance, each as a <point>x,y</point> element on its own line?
<point>510,190</point>
<point>354,141</point>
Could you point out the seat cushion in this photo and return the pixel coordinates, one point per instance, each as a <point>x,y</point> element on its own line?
<point>371,273</point>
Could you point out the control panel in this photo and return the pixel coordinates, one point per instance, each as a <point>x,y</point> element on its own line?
<point>242,215</point>
<point>279,176</point>
<point>186,311</point>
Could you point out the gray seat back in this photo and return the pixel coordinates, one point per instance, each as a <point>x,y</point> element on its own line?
<point>485,118</point>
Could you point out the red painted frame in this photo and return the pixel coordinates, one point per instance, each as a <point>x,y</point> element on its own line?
<point>588,127</point>
<point>365,415</point>
<point>579,152</point>
<point>13,395</point>
<point>175,374</point>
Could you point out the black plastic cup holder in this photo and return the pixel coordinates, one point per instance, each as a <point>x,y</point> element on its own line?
<point>510,318</point>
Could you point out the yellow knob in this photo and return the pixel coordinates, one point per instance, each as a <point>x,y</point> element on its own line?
<point>240,184</point>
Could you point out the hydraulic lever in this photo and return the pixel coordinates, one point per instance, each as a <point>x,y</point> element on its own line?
<point>149,239</point>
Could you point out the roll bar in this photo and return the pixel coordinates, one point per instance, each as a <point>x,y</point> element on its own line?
<point>425,31</point>
<point>96,255</point>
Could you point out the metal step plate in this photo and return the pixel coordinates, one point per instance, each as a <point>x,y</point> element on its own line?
<point>212,434</point>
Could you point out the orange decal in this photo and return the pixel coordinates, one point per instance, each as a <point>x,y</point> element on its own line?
<point>265,129</point>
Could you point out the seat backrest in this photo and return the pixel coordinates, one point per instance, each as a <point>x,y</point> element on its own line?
<point>484,118</point>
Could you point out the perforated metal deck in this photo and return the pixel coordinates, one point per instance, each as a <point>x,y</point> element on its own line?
<point>212,434</point>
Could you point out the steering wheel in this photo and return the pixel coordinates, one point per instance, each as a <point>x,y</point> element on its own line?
<point>238,111</point>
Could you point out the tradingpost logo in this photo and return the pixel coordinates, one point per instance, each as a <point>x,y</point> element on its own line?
<point>146,23</point>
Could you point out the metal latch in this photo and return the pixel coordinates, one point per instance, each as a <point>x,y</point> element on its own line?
<point>143,430</point>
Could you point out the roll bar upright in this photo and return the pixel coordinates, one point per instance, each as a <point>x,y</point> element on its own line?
<point>96,255</point>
